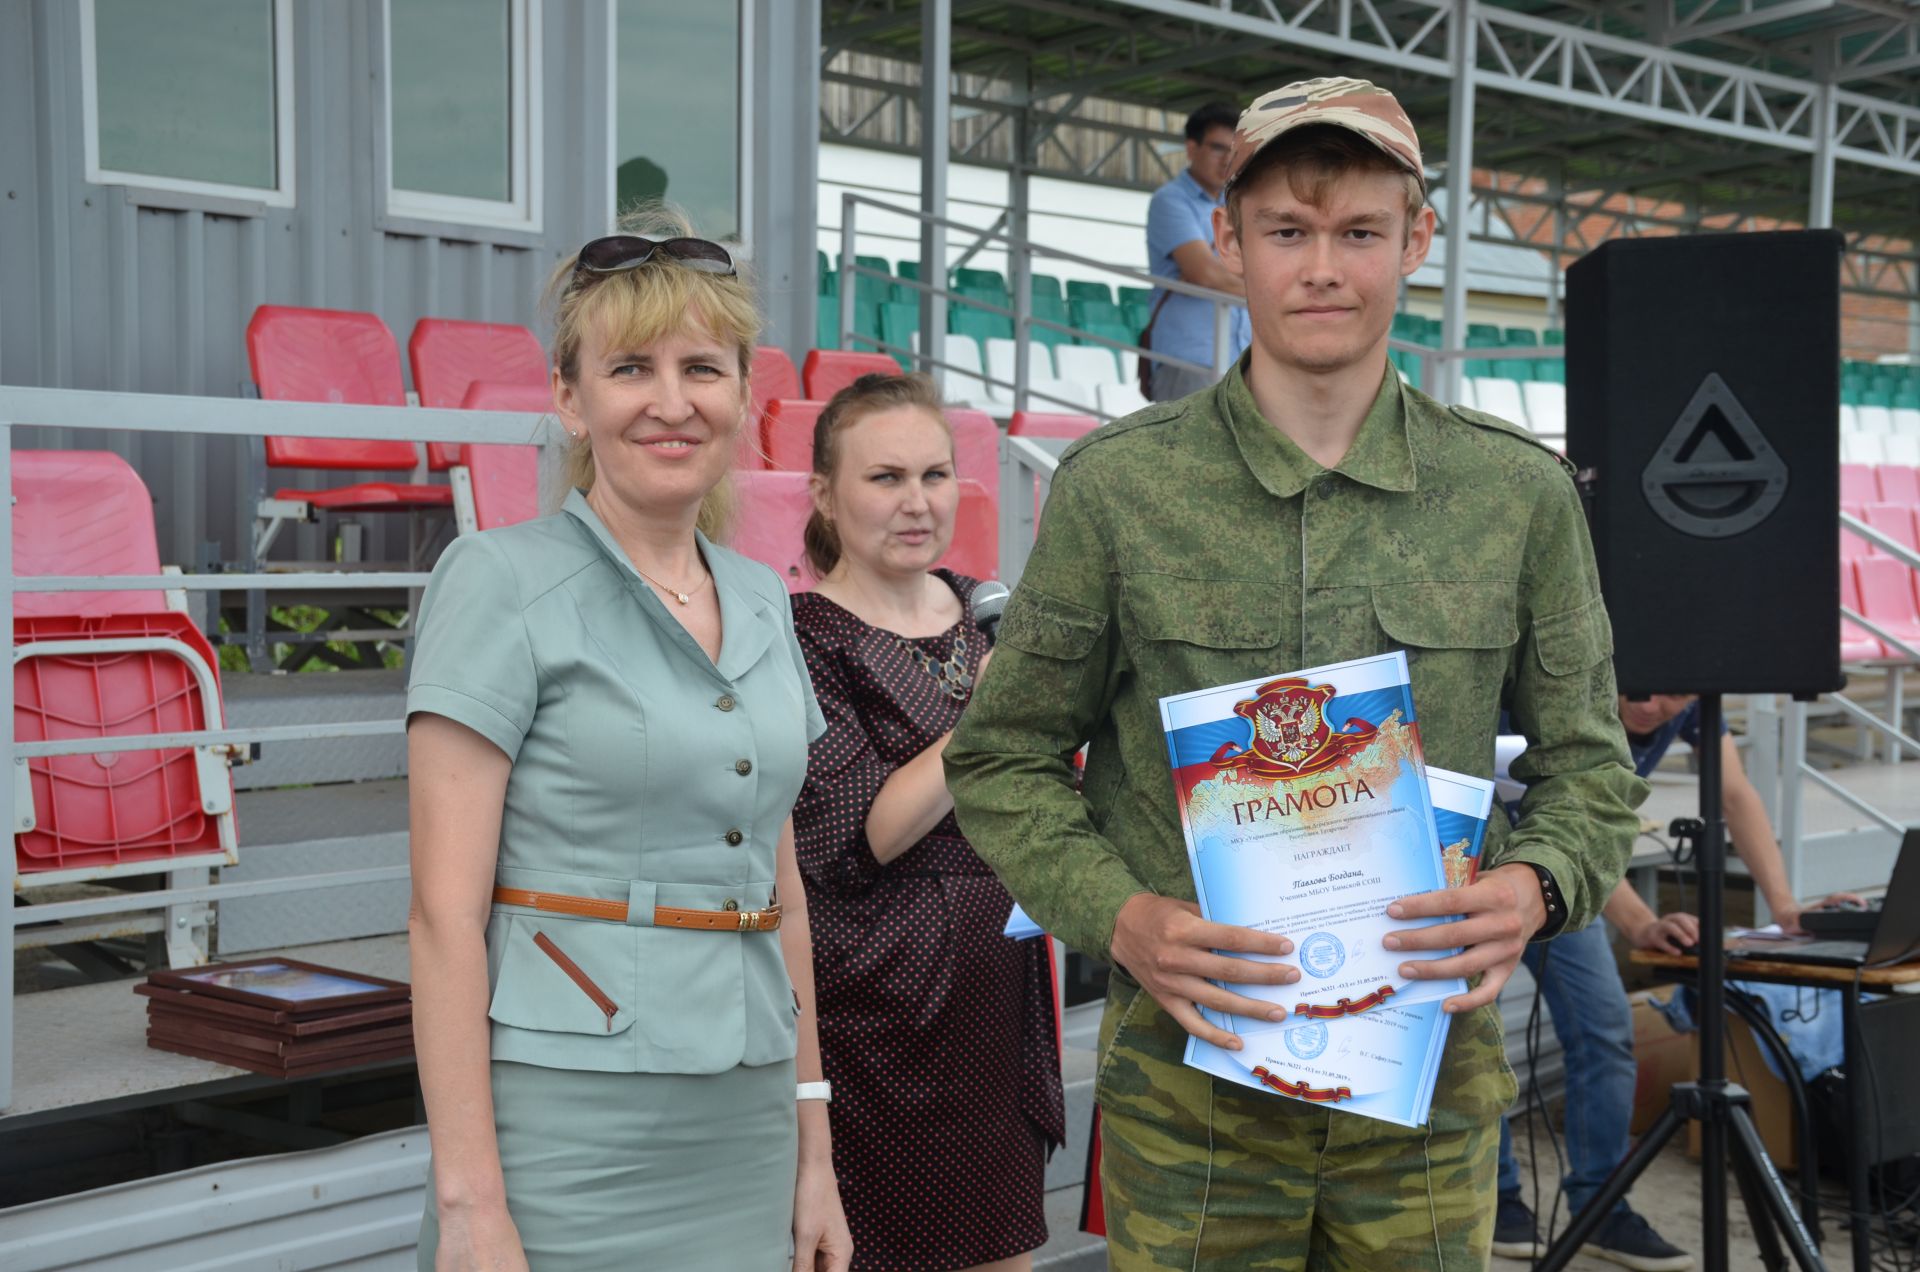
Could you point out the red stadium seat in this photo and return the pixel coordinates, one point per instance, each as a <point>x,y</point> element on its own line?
<point>773,377</point>
<point>82,512</point>
<point>975,550</point>
<point>770,521</point>
<point>1851,544</point>
<point>506,484</point>
<point>1893,520</point>
<point>124,812</point>
<point>448,355</point>
<point>1857,484</point>
<point>1857,644</point>
<point>830,370</point>
<point>335,355</point>
<point>786,434</point>
<point>976,449</point>
<point>1898,484</point>
<point>1051,425</point>
<point>1887,596</point>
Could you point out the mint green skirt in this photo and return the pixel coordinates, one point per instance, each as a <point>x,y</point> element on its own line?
<point>645,1170</point>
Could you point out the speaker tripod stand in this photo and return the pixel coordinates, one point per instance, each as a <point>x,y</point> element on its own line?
<point>1721,1107</point>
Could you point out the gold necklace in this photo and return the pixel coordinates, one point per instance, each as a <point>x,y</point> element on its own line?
<point>684,598</point>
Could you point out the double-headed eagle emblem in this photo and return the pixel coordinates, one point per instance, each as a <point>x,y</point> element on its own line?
<point>1291,737</point>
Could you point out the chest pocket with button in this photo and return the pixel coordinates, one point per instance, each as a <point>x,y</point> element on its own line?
<point>1458,636</point>
<point>1188,633</point>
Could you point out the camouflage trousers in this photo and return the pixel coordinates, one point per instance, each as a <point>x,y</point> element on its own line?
<point>1201,1174</point>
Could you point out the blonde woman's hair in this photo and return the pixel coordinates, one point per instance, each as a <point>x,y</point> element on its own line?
<point>868,395</point>
<point>635,307</point>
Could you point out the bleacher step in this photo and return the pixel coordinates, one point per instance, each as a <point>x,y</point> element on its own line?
<point>317,830</point>
<point>318,698</point>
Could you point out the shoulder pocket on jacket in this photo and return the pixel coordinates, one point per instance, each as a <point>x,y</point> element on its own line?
<point>1474,614</point>
<point>1574,641</point>
<point>565,992</point>
<point>1046,626</point>
<point>1211,613</point>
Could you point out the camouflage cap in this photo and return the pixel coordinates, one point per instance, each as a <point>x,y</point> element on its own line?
<point>1354,104</point>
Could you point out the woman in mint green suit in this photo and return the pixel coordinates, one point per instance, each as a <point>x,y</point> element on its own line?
<point>608,719</point>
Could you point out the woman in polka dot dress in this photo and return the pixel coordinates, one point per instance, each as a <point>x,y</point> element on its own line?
<point>936,1031</point>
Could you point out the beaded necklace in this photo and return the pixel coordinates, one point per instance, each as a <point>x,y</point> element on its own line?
<point>950,673</point>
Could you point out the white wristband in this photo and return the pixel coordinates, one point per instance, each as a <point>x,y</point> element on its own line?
<point>822,1091</point>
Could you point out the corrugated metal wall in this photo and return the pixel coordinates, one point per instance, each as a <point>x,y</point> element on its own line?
<point>109,287</point>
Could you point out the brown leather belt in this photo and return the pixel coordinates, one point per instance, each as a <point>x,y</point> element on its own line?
<point>767,920</point>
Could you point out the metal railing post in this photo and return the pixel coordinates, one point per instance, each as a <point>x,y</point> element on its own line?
<point>1222,350</point>
<point>849,281</point>
<point>9,815</point>
<point>1793,763</point>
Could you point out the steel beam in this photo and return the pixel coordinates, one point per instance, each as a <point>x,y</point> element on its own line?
<point>1751,15</point>
<point>1453,295</point>
<point>936,130</point>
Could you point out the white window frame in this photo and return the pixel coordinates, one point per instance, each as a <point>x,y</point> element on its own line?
<point>521,210</point>
<point>743,174</point>
<point>281,195</point>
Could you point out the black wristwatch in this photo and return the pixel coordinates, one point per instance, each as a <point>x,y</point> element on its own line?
<point>1550,897</point>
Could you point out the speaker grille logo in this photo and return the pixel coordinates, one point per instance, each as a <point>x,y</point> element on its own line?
<point>1714,475</point>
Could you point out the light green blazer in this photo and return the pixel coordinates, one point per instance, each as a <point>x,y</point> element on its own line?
<point>642,772</point>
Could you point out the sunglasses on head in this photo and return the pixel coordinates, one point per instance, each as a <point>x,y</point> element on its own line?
<point>616,252</point>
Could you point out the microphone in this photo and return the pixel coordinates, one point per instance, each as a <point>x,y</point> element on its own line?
<point>989,603</point>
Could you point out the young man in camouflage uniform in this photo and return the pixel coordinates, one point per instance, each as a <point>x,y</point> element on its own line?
<point>1307,509</point>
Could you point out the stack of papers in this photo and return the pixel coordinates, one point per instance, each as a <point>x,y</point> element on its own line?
<point>1308,807</point>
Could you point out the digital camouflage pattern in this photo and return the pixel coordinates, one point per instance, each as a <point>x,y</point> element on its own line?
<point>1189,545</point>
<point>1354,104</point>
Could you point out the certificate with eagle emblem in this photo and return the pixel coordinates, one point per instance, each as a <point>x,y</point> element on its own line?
<point>1380,1063</point>
<point>1306,810</point>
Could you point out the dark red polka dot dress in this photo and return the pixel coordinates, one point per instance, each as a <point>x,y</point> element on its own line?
<point>936,1031</point>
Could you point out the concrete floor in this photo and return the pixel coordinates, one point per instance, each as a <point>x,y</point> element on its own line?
<point>1668,1196</point>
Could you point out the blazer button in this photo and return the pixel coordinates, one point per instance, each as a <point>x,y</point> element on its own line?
<point>725,703</point>
<point>735,838</point>
<point>743,767</point>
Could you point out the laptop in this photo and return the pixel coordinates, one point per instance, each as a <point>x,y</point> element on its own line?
<point>1896,933</point>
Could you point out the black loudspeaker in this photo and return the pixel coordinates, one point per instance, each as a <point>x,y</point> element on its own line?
<point>1703,389</point>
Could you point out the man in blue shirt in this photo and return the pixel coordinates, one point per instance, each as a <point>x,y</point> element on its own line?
<point>1180,245</point>
<point>1580,983</point>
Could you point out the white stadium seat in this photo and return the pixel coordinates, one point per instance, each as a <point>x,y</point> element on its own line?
<point>1064,395</point>
<point>1546,407</point>
<point>1000,356</point>
<point>964,387</point>
<point>1121,399</point>
<point>1862,448</point>
<point>1901,448</point>
<point>1089,363</point>
<point>1499,397</point>
<point>1906,421</point>
<point>1849,418</point>
<point>1875,419</point>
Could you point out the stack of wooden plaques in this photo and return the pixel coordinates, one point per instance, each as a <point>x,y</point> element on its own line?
<point>278,1016</point>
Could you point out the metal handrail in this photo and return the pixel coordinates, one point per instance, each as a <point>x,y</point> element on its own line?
<point>1879,539</point>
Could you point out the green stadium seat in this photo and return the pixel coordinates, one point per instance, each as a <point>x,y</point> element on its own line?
<point>1484,337</point>
<point>1138,314</point>
<point>1851,394</point>
<point>1554,336</point>
<point>1135,296</point>
<point>1082,289</point>
<point>1550,370</point>
<point>1089,310</point>
<point>1485,330</point>
<point>1520,369</point>
<point>826,326</point>
<point>981,280</point>
<point>1518,336</point>
<point>829,283</point>
<point>1047,285</point>
<point>909,269</point>
<point>899,323</point>
<point>1112,331</point>
<point>1877,397</point>
<point>978,323</point>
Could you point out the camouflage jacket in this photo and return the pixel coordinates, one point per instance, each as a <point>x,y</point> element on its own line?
<point>1192,544</point>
